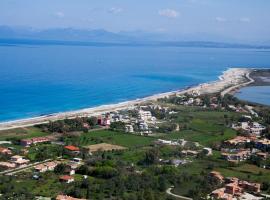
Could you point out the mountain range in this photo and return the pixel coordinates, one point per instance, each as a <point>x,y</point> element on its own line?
<point>72,36</point>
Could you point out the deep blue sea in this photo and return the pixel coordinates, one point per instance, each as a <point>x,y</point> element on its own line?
<point>258,94</point>
<point>38,80</point>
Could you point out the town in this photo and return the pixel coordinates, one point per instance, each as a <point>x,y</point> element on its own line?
<point>192,145</point>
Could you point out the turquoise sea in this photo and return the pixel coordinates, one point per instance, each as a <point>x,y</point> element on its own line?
<point>43,79</point>
<point>257,94</point>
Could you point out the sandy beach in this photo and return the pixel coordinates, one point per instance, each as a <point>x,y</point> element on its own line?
<point>230,80</point>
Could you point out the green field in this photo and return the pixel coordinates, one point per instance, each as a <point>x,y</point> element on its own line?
<point>118,138</point>
<point>247,172</point>
<point>205,127</point>
<point>21,133</point>
<point>204,138</point>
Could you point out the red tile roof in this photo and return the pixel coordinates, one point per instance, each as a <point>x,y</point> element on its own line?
<point>72,148</point>
<point>65,177</point>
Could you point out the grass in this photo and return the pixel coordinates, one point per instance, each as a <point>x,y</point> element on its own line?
<point>204,138</point>
<point>117,138</point>
<point>22,133</point>
<point>246,172</point>
<point>205,127</point>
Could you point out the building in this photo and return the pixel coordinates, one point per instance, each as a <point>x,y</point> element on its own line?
<point>145,115</point>
<point>235,189</point>
<point>66,179</point>
<point>29,142</point>
<point>144,128</point>
<point>49,166</point>
<point>19,160</point>
<point>5,151</point>
<point>207,151</point>
<point>262,144</point>
<point>240,140</point>
<point>189,153</point>
<point>129,128</point>
<point>252,128</point>
<point>250,187</point>
<point>239,155</point>
<point>256,128</point>
<point>216,176</point>
<point>65,197</point>
<point>167,142</point>
<point>177,162</point>
<point>104,121</point>
<point>220,194</point>
<point>72,150</point>
<point>7,165</point>
<point>262,155</point>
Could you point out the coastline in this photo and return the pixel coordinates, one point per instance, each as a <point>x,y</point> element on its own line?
<point>230,80</point>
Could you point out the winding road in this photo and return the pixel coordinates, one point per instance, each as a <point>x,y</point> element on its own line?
<point>169,192</point>
<point>228,90</point>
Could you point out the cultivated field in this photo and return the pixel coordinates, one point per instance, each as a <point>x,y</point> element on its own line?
<point>104,147</point>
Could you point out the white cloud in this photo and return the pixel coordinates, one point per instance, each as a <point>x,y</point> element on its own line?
<point>59,14</point>
<point>115,10</point>
<point>169,13</point>
<point>244,19</point>
<point>221,19</point>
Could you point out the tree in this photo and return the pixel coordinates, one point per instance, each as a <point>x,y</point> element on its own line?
<point>162,184</point>
<point>60,169</point>
<point>151,156</point>
<point>118,126</point>
<point>92,121</point>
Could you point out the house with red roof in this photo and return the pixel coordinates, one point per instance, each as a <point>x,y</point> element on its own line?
<point>5,151</point>
<point>72,150</point>
<point>66,179</point>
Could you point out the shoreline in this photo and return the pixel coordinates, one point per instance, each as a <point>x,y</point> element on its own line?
<point>230,80</point>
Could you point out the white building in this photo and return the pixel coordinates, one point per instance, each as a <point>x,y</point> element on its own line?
<point>129,128</point>
<point>145,115</point>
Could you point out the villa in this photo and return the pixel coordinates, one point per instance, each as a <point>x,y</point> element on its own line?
<point>145,115</point>
<point>252,128</point>
<point>72,150</point>
<point>207,151</point>
<point>240,140</point>
<point>65,197</point>
<point>216,176</point>
<point>237,156</point>
<point>104,121</point>
<point>7,165</point>
<point>49,166</point>
<point>29,142</point>
<point>5,151</point>
<point>19,160</point>
<point>235,189</point>
<point>166,142</point>
<point>129,128</point>
<point>262,144</point>
<point>66,179</point>
<point>189,153</point>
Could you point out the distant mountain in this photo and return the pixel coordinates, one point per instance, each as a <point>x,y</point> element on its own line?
<point>71,36</point>
<point>63,34</point>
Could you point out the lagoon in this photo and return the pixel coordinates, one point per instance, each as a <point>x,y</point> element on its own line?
<point>257,94</point>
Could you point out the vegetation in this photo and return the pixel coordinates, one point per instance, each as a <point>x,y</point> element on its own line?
<point>140,172</point>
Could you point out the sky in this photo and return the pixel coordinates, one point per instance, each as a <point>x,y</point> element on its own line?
<point>237,19</point>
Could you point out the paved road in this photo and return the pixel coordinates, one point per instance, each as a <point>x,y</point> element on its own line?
<point>169,192</point>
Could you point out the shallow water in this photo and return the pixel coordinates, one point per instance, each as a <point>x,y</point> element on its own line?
<point>257,94</point>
